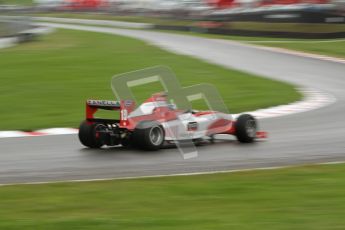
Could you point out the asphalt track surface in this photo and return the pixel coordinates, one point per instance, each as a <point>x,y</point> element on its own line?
<point>309,137</point>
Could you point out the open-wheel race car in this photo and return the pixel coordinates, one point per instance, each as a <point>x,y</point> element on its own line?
<point>156,122</point>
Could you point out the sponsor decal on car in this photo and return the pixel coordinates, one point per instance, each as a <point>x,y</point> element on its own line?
<point>192,126</point>
<point>103,103</point>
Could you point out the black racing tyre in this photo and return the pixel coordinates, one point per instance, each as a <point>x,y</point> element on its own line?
<point>149,135</point>
<point>246,127</point>
<point>88,135</point>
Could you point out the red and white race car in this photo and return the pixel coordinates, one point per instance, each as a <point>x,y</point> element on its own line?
<point>156,122</point>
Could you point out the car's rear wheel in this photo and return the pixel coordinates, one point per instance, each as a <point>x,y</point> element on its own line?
<point>89,134</point>
<point>246,127</point>
<point>149,135</point>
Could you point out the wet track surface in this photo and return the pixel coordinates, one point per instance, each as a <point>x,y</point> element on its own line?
<point>314,136</point>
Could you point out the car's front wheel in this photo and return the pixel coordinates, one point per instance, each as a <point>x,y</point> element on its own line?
<point>246,127</point>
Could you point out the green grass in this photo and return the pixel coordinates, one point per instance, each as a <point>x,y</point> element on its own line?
<point>102,16</point>
<point>45,83</point>
<point>16,2</point>
<point>310,197</point>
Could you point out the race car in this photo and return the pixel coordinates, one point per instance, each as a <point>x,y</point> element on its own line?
<point>156,122</point>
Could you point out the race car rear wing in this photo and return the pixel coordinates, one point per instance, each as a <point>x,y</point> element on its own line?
<point>124,106</point>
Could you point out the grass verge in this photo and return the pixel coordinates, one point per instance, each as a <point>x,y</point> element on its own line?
<point>309,197</point>
<point>45,83</point>
<point>102,16</point>
<point>17,2</point>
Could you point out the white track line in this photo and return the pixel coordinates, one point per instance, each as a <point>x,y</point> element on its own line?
<point>313,99</point>
<point>5,134</point>
<point>171,175</point>
<point>58,131</point>
<point>42,132</point>
<point>8,42</point>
